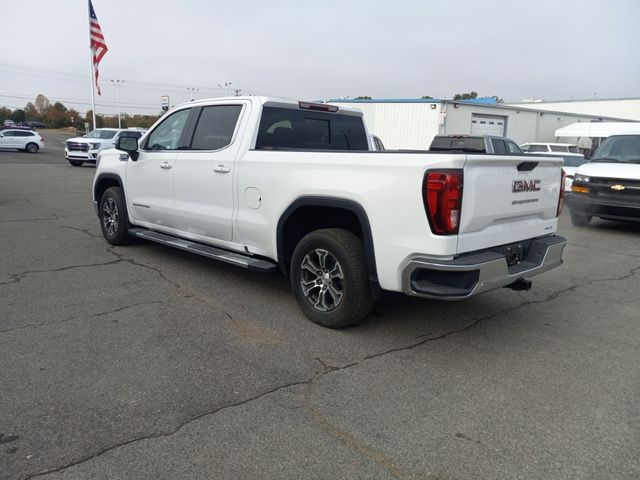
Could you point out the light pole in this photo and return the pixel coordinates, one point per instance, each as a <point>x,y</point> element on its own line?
<point>193,91</point>
<point>226,86</point>
<point>117,84</point>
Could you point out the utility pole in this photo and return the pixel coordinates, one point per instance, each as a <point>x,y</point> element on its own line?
<point>117,84</point>
<point>226,86</point>
<point>193,91</point>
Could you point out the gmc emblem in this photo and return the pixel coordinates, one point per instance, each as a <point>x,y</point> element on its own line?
<point>525,186</point>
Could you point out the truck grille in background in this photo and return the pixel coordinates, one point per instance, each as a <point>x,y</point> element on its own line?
<point>601,188</point>
<point>77,147</point>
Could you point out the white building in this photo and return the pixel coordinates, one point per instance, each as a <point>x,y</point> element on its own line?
<point>412,123</point>
<point>627,108</point>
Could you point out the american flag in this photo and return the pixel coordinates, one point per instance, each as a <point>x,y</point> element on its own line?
<point>97,42</point>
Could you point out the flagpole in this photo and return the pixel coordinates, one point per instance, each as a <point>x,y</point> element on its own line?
<point>93,72</point>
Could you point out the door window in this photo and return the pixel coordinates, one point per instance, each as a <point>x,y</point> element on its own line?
<point>498,146</point>
<point>215,127</point>
<point>167,135</point>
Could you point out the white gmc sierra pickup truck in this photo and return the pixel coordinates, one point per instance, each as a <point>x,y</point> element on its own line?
<point>270,184</point>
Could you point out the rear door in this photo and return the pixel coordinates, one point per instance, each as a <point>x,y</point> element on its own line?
<point>204,171</point>
<point>507,199</point>
<point>8,139</point>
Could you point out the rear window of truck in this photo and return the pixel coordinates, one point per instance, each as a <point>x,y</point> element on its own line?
<point>462,144</point>
<point>292,129</point>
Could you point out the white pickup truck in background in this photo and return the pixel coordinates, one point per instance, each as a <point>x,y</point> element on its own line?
<point>268,184</point>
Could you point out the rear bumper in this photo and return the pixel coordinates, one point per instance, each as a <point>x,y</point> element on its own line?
<point>583,204</point>
<point>479,272</point>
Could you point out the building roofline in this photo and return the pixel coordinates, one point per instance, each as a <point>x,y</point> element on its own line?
<point>603,99</point>
<point>500,106</point>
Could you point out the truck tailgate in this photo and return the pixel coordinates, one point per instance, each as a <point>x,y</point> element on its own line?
<point>507,199</point>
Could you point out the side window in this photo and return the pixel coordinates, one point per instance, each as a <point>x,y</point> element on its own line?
<point>215,127</point>
<point>538,148</point>
<point>9,134</point>
<point>513,148</point>
<point>498,146</point>
<point>559,148</point>
<point>167,135</point>
<point>525,148</point>
<point>309,130</point>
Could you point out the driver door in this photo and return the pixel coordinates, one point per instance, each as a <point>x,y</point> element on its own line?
<point>150,179</point>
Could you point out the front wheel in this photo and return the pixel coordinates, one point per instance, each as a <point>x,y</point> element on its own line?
<point>32,148</point>
<point>329,278</point>
<point>113,217</point>
<point>580,220</point>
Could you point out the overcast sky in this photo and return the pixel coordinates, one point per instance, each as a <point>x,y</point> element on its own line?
<point>550,49</point>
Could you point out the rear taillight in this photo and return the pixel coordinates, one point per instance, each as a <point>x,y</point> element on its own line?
<point>561,199</point>
<point>442,192</point>
<point>41,139</point>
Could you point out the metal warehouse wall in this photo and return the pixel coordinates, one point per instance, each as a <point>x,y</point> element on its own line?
<point>412,125</point>
<point>626,108</point>
<point>400,125</point>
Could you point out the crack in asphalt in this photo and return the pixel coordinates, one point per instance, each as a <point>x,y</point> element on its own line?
<point>165,434</point>
<point>86,231</point>
<point>20,220</point>
<point>348,439</point>
<point>17,277</point>
<point>76,317</point>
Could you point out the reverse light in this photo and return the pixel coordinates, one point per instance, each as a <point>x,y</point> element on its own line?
<point>442,194</point>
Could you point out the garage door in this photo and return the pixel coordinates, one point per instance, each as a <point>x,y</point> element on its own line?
<point>488,125</point>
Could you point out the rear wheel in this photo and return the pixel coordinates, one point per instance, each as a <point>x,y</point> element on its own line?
<point>113,217</point>
<point>75,163</point>
<point>329,278</point>
<point>580,220</point>
<point>32,148</point>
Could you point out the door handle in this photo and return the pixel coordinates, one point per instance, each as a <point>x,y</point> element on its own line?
<point>166,165</point>
<point>221,169</point>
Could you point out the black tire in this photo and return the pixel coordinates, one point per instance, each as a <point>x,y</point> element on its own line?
<point>343,271</point>
<point>114,220</point>
<point>580,220</point>
<point>32,148</point>
<point>76,163</point>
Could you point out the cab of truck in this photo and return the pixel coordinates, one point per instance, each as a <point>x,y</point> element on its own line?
<point>475,144</point>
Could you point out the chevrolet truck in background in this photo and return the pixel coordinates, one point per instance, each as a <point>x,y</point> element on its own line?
<point>272,184</point>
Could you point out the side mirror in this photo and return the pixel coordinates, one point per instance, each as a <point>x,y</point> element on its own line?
<point>129,145</point>
<point>84,136</point>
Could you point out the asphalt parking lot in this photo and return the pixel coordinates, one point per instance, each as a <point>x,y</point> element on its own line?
<point>147,362</point>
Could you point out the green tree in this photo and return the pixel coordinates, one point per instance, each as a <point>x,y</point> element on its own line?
<point>427,97</point>
<point>59,107</point>
<point>18,115</point>
<point>30,112</point>
<point>363,97</point>
<point>465,96</point>
<point>4,114</point>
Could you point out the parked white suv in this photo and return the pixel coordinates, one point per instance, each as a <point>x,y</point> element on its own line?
<point>86,148</point>
<point>21,139</point>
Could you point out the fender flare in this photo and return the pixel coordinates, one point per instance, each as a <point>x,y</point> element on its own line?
<point>332,202</point>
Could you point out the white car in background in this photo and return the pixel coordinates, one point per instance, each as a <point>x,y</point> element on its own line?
<point>550,148</point>
<point>569,152</point>
<point>85,149</point>
<point>20,139</point>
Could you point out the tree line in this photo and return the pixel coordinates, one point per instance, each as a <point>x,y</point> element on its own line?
<point>57,115</point>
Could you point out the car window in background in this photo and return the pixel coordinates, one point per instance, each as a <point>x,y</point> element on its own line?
<point>513,148</point>
<point>466,144</point>
<point>573,149</point>
<point>537,148</point>
<point>215,127</point>
<point>498,146</point>
<point>573,160</point>
<point>167,135</point>
<point>622,149</point>
<point>102,134</point>
<point>558,148</point>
